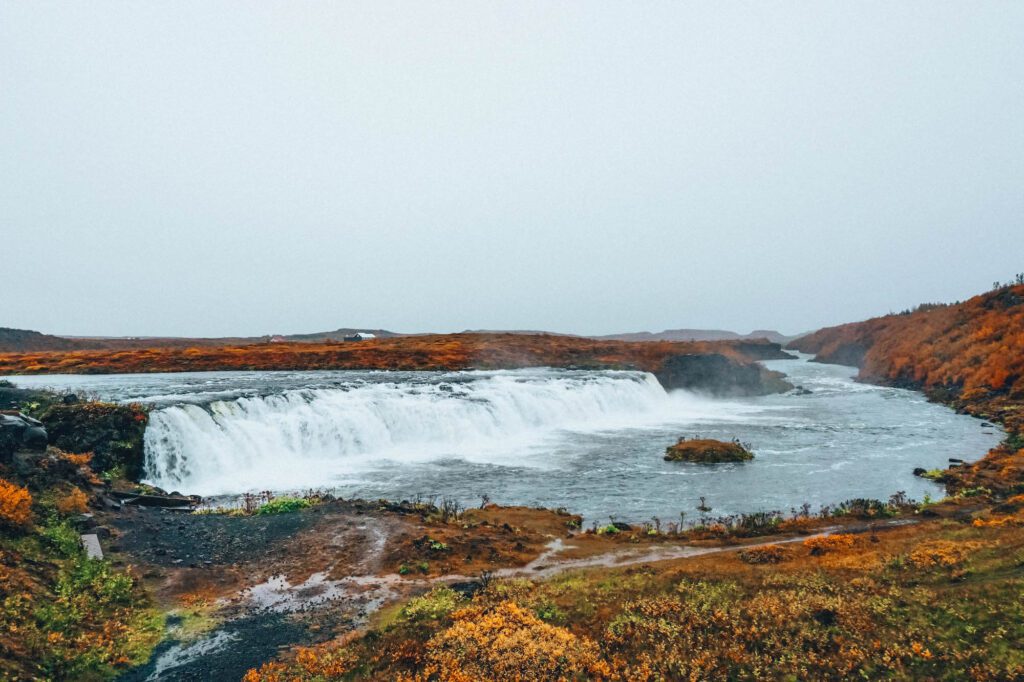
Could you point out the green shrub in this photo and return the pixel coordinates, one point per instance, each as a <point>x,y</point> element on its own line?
<point>283,505</point>
<point>62,536</point>
<point>434,605</point>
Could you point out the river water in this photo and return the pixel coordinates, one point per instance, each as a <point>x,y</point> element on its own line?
<point>590,441</point>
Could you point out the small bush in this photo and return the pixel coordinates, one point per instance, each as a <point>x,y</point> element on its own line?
<point>824,544</point>
<point>62,537</point>
<point>863,508</point>
<point>941,554</point>
<point>507,642</point>
<point>283,505</point>
<point>434,605</point>
<point>770,554</point>
<point>15,505</point>
<point>75,502</point>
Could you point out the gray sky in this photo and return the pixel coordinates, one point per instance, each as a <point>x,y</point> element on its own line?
<point>215,168</point>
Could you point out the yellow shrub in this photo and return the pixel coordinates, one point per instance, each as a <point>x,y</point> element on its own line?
<point>829,543</point>
<point>318,663</point>
<point>942,553</point>
<point>15,504</point>
<point>506,642</point>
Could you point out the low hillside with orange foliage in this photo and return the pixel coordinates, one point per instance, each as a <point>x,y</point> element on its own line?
<point>971,353</point>
<point>427,352</point>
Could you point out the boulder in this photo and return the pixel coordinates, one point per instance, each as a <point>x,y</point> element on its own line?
<point>20,432</point>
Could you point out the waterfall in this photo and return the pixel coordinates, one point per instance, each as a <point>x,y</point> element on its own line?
<point>309,437</point>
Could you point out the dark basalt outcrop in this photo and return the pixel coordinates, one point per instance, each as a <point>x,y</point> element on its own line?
<point>719,376</point>
<point>763,350</point>
<point>112,432</point>
<point>707,451</point>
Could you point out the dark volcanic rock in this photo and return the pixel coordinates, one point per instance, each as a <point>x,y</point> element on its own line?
<point>718,375</point>
<point>763,350</point>
<point>20,431</point>
<point>112,432</point>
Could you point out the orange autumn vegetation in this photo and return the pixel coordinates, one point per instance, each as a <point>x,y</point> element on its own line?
<point>74,502</point>
<point>15,505</point>
<point>942,553</point>
<point>824,544</point>
<point>507,642</point>
<point>64,616</point>
<point>425,352</point>
<point>971,353</point>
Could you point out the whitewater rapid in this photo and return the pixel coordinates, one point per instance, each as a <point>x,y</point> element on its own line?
<point>303,438</point>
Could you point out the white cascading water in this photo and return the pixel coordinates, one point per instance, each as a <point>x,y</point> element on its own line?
<point>305,438</point>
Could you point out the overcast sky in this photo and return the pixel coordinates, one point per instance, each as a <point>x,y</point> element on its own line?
<point>223,168</point>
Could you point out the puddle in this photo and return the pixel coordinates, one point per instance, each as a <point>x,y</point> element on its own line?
<point>280,596</point>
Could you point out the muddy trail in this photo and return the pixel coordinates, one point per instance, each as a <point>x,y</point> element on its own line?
<point>241,589</point>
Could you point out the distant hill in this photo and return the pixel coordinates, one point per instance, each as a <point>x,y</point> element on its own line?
<point>700,335</point>
<point>339,334</point>
<point>25,340</point>
<point>28,341</point>
<point>527,332</point>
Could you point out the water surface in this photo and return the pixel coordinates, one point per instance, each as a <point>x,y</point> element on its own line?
<point>590,441</point>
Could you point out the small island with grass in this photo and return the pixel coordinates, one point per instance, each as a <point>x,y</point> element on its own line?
<point>708,451</point>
